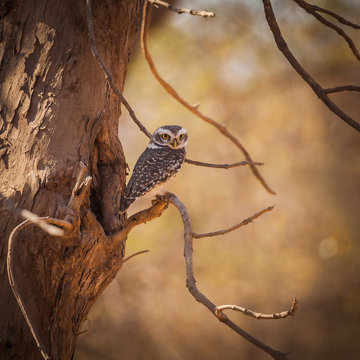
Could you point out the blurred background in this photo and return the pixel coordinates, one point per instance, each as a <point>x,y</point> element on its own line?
<point>308,246</point>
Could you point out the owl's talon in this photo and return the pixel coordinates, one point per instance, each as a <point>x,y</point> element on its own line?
<point>160,199</point>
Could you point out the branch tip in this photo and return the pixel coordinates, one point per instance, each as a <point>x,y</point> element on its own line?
<point>201,13</point>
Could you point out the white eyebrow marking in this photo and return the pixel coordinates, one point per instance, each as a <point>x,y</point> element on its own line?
<point>165,131</point>
<point>181,131</point>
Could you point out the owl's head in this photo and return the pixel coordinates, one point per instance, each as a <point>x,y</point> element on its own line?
<point>172,136</point>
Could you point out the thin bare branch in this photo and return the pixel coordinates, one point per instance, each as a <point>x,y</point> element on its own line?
<point>342,88</point>
<point>193,108</point>
<point>259,316</point>
<point>202,13</point>
<point>319,91</point>
<point>135,254</point>
<point>12,282</point>
<point>309,9</point>
<point>232,228</point>
<point>339,18</point>
<point>199,296</point>
<point>223,166</point>
<point>107,73</point>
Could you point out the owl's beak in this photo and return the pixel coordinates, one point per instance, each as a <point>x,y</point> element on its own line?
<point>174,143</point>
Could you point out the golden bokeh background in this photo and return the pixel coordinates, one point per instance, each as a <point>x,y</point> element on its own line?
<point>308,246</point>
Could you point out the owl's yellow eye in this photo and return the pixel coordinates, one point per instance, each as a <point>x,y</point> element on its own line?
<point>165,136</point>
<point>181,137</point>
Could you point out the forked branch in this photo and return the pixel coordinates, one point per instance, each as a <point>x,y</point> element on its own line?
<point>198,295</point>
<point>192,108</point>
<point>316,87</point>
<point>109,78</point>
<point>309,8</point>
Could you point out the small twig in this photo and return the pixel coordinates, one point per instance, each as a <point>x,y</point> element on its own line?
<point>12,282</point>
<point>319,91</point>
<point>193,108</point>
<point>135,254</point>
<point>87,330</point>
<point>223,166</point>
<point>199,296</point>
<point>107,73</point>
<point>202,13</point>
<point>232,228</point>
<point>259,316</point>
<point>341,88</point>
<point>309,9</point>
<point>80,189</point>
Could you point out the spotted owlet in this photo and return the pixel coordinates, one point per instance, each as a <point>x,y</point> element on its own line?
<point>160,162</point>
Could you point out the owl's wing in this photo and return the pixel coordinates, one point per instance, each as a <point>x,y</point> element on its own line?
<point>152,168</point>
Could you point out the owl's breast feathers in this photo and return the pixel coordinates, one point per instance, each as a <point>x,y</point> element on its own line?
<point>154,167</point>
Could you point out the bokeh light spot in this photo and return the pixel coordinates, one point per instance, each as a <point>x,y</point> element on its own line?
<point>328,248</point>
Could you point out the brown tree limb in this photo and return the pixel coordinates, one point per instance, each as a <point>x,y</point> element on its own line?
<point>342,88</point>
<point>319,91</point>
<point>199,296</point>
<point>310,9</point>
<point>259,316</point>
<point>223,166</point>
<point>140,217</point>
<point>202,13</point>
<point>232,228</point>
<point>339,18</point>
<point>194,109</point>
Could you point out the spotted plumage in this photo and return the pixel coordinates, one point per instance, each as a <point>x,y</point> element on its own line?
<point>159,163</point>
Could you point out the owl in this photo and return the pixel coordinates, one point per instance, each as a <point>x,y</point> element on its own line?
<point>159,163</point>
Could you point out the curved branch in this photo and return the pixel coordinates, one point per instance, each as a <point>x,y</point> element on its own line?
<point>232,228</point>
<point>319,91</point>
<point>194,109</point>
<point>309,9</point>
<point>12,282</point>
<point>199,296</point>
<point>135,254</point>
<point>259,316</point>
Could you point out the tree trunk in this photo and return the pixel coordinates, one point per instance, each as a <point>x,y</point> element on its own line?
<point>52,98</point>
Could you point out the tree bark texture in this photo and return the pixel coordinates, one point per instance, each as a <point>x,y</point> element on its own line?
<point>52,93</point>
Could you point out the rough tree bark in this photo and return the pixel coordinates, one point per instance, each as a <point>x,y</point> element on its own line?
<point>52,94</point>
